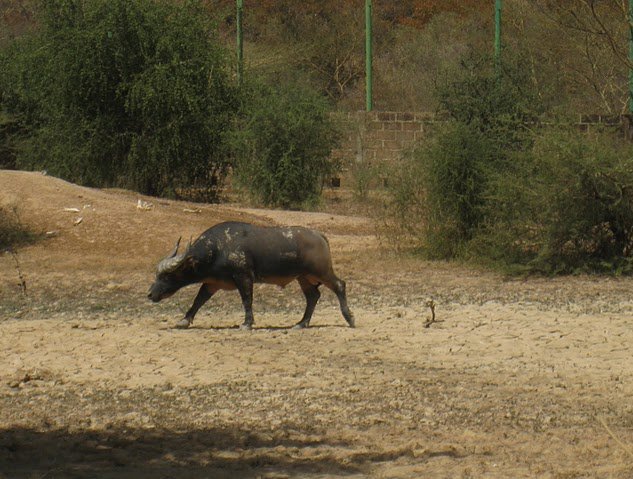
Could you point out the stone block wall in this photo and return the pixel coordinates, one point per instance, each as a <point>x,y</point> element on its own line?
<point>379,135</point>
<point>370,138</point>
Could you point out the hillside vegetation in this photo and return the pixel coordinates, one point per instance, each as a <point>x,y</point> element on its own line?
<point>578,48</point>
<point>143,94</point>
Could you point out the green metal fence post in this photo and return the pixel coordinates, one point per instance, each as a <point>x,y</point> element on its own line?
<point>498,7</point>
<point>240,42</point>
<point>368,56</point>
<point>631,57</point>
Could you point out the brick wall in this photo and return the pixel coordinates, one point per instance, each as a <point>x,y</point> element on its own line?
<point>370,138</point>
<point>381,136</point>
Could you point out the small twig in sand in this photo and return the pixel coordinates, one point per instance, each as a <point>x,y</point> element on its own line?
<point>431,304</point>
<point>626,448</point>
<point>17,268</point>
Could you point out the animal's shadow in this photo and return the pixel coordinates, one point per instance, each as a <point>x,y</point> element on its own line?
<point>236,327</point>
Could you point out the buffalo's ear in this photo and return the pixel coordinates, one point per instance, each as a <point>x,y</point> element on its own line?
<point>190,263</point>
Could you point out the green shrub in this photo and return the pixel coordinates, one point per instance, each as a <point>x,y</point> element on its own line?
<point>500,104</point>
<point>365,176</point>
<point>563,205</point>
<point>495,186</point>
<point>404,216</point>
<point>567,206</point>
<point>489,117</point>
<point>9,129</point>
<point>132,93</point>
<point>437,191</point>
<point>282,150</point>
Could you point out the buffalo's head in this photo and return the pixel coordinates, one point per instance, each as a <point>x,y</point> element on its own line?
<point>172,273</point>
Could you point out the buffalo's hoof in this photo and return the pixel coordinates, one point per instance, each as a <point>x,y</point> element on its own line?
<point>300,326</point>
<point>182,324</point>
<point>352,323</point>
<point>246,327</point>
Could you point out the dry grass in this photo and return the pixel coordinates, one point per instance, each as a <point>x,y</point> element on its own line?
<point>12,232</point>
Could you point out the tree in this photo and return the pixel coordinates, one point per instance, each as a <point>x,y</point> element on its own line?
<point>132,93</point>
<point>589,40</point>
<point>283,146</point>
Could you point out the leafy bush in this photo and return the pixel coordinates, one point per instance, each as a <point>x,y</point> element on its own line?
<point>500,104</point>
<point>283,145</point>
<point>365,176</point>
<point>437,191</point>
<point>131,93</point>
<point>405,213</point>
<point>566,207</point>
<point>563,205</point>
<point>489,117</point>
<point>9,128</point>
<point>495,186</point>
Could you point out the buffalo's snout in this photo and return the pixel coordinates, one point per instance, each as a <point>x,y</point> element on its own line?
<point>154,295</point>
<point>161,290</point>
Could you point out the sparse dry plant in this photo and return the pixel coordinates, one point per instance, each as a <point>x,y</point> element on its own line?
<point>12,232</point>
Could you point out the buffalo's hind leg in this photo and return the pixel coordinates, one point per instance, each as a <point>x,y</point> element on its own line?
<point>312,294</point>
<point>204,294</point>
<point>338,286</point>
<point>244,285</point>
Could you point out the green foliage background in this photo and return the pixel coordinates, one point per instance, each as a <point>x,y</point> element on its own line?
<point>565,206</point>
<point>499,185</point>
<point>132,93</point>
<point>283,145</point>
<point>140,94</point>
<point>488,117</point>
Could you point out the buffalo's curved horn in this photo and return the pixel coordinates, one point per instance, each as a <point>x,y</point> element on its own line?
<point>175,250</point>
<point>171,261</point>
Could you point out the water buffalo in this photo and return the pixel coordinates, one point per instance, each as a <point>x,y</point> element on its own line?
<point>235,255</point>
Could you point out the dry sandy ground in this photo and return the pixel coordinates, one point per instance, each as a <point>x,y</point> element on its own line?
<point>520,378</point>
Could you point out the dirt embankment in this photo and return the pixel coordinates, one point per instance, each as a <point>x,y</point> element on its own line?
<point>519,378</point>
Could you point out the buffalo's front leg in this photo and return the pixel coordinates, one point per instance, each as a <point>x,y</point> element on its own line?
<point>204,294</point>
<point>244,285</point>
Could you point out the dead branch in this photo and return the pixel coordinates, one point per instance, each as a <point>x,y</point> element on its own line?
<point>431,304</point>
<point>22,282</point>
